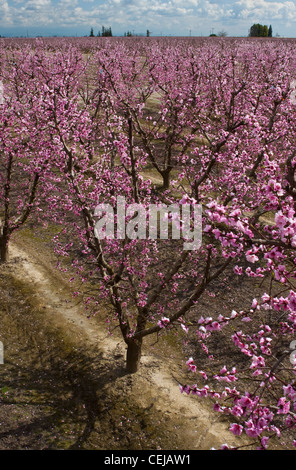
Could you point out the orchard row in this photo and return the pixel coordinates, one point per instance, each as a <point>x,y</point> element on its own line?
<point>210,122</point>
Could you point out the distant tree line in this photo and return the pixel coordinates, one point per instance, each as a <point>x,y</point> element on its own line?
<point>259,30</point>
<point>105,32</point>
<point>108,32</point>
<point>129,34</point>
<point>221,34</point>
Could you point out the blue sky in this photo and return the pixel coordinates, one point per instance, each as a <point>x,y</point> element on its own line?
<point>161,17</point>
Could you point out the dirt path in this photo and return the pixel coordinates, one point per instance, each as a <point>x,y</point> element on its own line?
<point>189,421</point>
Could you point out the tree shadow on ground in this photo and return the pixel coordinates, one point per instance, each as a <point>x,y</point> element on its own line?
<point>56,400</point>
<point>54,391</point>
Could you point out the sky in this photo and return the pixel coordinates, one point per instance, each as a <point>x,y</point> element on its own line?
<point>161,17</point>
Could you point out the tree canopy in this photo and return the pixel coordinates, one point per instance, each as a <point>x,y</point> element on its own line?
<point>259,30</point>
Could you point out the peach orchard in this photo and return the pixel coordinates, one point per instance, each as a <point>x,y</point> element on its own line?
<point>167,121</point>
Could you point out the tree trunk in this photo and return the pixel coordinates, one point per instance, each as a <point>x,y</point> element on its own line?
<point>133,357</point>
<point>166,178</point>
<point>3,249</point>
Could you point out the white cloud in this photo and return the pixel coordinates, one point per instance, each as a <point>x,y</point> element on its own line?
<point>267,9</point>
<point>170,16</point>
<point>5,12</point>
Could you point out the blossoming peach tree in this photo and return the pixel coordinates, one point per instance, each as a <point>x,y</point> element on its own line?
<point>253,221</point>
<point>26,153</point>
<point>217,122</point>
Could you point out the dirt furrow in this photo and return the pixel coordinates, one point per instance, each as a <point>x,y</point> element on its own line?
<point>155,387</point>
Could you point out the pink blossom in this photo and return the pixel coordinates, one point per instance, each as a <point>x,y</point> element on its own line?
<point>237,411</point>
<point>163,322</point>
<point>184,327</point>
<point>237,429</point>
<point>264,441</point>
<point>292,301</point>
<point>258,361</point>
<point>252,258</point>
<point>283,405</point>
<point>191,365</point>
<point>225,447</point>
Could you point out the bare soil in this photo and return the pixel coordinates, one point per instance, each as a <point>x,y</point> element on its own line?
<point>63,383</point>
